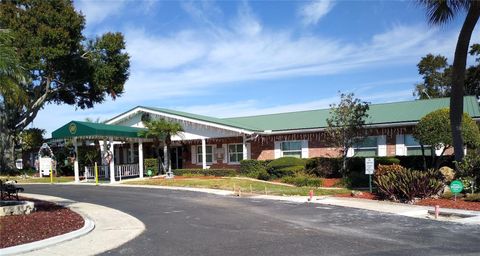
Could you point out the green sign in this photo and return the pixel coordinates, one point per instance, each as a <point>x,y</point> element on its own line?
<point>456,186</point>
<point>149,173</point>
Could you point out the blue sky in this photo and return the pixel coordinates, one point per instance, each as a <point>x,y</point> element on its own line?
<point>234,58</point>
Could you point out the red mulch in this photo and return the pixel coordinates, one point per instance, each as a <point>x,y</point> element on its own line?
<point>330,182</point>
<point>47,221</point>
<point>450,203</point>
<point>365,195</point>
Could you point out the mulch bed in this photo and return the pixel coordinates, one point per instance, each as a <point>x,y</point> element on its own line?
<point>443,203</point>
<point>364,195</point>
<point>330,182</point>
<point>450,203</point>
<point>47,221</point>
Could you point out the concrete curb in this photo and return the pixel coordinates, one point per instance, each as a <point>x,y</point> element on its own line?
<point>88,226</point>
<point>113,228</point>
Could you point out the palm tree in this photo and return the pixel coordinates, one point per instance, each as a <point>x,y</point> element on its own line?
<point>160,131</point>
<point>440,12</point>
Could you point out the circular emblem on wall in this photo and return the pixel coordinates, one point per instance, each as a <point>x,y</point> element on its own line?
<point>72,128</point>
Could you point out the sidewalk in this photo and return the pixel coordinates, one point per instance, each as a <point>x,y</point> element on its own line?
<point>112,229</point>
<point>416,211</point>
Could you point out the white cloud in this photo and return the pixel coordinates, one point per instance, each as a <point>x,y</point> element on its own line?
<point>97,11</point>
<point>313,11</point>
<point>199,60</point>
<point>256,107</point>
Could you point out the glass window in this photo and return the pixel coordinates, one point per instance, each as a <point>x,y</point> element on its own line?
<point>235,153</point>
<point>209,154</point>
<point>291,148</point>
<point>366,147</point>
<point>414,148</point>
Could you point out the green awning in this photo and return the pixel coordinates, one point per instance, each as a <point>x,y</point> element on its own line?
<point>95,130</point>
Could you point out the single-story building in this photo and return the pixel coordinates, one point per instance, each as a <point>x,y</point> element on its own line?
<point>210,142</point>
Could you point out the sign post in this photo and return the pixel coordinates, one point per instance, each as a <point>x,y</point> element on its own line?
<point>51,175</point>
<point>456,187</point>
<point>369,169</point>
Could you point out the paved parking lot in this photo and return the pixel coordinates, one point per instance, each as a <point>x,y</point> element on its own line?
<point>189,223</point>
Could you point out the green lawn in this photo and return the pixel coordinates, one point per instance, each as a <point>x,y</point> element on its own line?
<point>257,187</point>
<point>20,180</point>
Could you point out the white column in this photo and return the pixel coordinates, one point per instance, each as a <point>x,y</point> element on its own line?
<point>244,148</point>
<point>75,163</point>
<point>165,157</point>
<point>140,158</point>
<point>204,154</point>
<point>132,156</point>
<point>112,162</point>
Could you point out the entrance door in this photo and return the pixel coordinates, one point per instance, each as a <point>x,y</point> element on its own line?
<point>176,157</point>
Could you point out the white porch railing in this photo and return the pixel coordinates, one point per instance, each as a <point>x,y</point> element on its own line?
<point>90,172</point>
<point>126,170</point>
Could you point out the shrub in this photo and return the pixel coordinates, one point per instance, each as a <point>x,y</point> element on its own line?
<point>303,181</point>
<point>263,175</point>
<point>283,162</point>
<point>356,179</point>
<point>384,169</point>
<point>283,172</point>
<point>447,173</point>
<point>473,197</point>
<point>285,166</point>
<point>324,167</point>
<point>249,167</point>
<point>407,184</point>
<point>206,172</point>
<point>151,164</point>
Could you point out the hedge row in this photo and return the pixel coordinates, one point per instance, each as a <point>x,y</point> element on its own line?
<point>151,164</point>
<point>206,172</point>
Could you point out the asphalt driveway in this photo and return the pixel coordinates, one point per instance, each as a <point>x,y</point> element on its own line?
<point>189,223</point>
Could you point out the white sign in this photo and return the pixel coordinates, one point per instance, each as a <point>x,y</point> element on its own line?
<point>45,166</point>
<point>19,164</point>
<point>369,165</point>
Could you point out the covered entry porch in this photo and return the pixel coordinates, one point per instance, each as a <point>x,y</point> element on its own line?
<point>120,147</point>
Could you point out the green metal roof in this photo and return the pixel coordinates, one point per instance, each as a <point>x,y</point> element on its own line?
<point>387,113</point>
<point>87,129</point>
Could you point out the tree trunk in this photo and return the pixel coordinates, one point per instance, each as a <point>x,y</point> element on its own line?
<point>458,78</point>
<point>7,152</point>
<point>423,157</point>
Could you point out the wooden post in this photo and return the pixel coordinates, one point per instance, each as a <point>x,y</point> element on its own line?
<point>251,190</point>
<point>265,189</point>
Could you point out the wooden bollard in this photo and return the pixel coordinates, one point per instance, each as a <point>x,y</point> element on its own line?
<point>251,190</point>
<point>266,190</point>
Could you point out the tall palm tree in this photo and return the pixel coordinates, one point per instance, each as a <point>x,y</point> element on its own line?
<point>161,131</point>
<point>441,12</point>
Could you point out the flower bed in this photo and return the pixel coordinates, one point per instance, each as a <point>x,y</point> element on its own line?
<point>47,221</point>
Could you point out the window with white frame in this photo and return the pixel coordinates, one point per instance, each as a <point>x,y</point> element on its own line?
<point>209,154</point>
<point>368,146</point>
<point>235,153</point>
<point>291,148</point>
<point>414,148</point>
